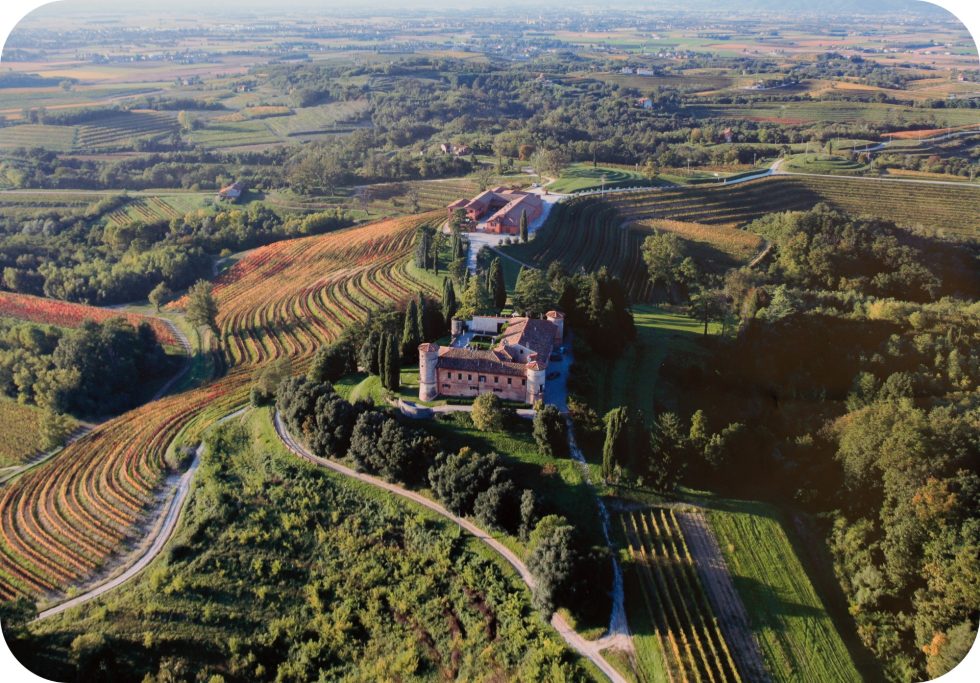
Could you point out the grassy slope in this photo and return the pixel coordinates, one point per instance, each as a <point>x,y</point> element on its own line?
<point>218,587</point>
<point>631,379</point>
<point>798,638</point>
<point>583,177</point>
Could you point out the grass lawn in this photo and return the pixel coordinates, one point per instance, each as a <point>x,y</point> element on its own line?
<point>631,379</point>
<point>579,177</point>
<point>797,635</point>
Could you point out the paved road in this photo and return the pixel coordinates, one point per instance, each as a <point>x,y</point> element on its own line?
<point>587,649</point>
<point>162,535</point>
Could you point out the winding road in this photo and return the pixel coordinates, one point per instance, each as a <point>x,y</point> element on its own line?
<point>588,649</point>
<point>160,536</point>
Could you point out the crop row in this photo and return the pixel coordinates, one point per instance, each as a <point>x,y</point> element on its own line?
<point>61,523</point>
<point>63,314</point>
<point>688,632</point>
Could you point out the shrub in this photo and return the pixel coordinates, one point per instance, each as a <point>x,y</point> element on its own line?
<point>488,413</point>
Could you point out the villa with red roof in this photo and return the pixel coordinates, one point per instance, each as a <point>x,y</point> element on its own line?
<point>514,367</point>
<point>504,207</point>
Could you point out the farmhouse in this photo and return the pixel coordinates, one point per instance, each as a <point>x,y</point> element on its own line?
<point>514,367</point>
<point>504,207</point>
<point>231,193</point>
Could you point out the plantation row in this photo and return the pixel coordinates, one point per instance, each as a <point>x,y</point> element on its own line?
<point>687,631</point>
<point>120,128</point>
<point>63,314</point>
<point>61,523</point>
<point>147,210</point>
<point>589,232</point>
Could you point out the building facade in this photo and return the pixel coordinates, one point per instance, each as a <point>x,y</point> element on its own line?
<point>515,368</point>
<point>504,207</point>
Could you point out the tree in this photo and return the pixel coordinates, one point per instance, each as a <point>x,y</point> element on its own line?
<point>411,334</point>
<point>707,305</point>
<point>202,309</point>
<point>488,413</point>
<point>494,507</point>
<point>268,379</point>
<point>55,428</point>
<point>496,284</point>
<point>529,513</point>
<point>333,361</point>
<point>160,295</point>
<point>449,304</point>
<point>552,563</point>
<point>668,451</point>
<point>457,479</point>
<point>663,254</point>
<point>533,295</point>
<point>476,300</point>
<point>524,225</point>
<point>391,369</point>
<point>549,432</point>
<point>616,447</point>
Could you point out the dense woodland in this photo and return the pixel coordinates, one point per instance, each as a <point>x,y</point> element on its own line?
<point>847,390</point>
<point>93,371</point>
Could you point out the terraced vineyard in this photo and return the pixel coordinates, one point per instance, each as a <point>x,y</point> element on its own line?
<point>687,633</point>
<point>589,232</point>
<point>61,523</point>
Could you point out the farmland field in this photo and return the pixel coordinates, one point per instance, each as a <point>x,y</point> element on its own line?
<point>797,636</point>
<point>822,111</point>
<point>687,634</point>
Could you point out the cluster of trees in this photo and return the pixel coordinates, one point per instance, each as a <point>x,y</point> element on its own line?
<point>94,370</point>
<point>85,258</point>
<point>596,305</point>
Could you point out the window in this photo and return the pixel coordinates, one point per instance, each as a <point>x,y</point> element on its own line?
<point>509,380</point>
<point>459,375</point>
<point>523,382</point>
<point>469,377</point>
<point>445,386</point>
<point>483,378</point>
<point>496,380</point>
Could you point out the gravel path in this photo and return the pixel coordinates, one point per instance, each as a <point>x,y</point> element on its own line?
<point>728,607</point>
<point>587,649</point>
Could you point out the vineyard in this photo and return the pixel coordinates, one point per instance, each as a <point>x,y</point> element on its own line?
<point>20,432</point>
<point>588,232</point>
<point>120,129</point>
<point>61,523</point>
<point>148,210</point>
<point>687,633</point>
<point>63,314</point>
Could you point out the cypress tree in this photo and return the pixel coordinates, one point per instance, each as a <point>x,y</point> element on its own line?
<point>411,337</point>
<point>496,284</point>
<point>617,440</point>
<point>524,225</point>
<point>449,304</point>
<point>392,379</point>
<point>422,309</point>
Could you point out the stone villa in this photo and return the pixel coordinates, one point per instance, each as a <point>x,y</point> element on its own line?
<point>515,367</point>
<point>503,205</point>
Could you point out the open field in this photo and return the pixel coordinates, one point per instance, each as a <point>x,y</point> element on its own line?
<point>797,636</point>
<point>632,378</point>
<point>796,113</point>
<point>687,634</point>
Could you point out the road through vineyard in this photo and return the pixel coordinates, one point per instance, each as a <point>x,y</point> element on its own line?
<point>62,523</point>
